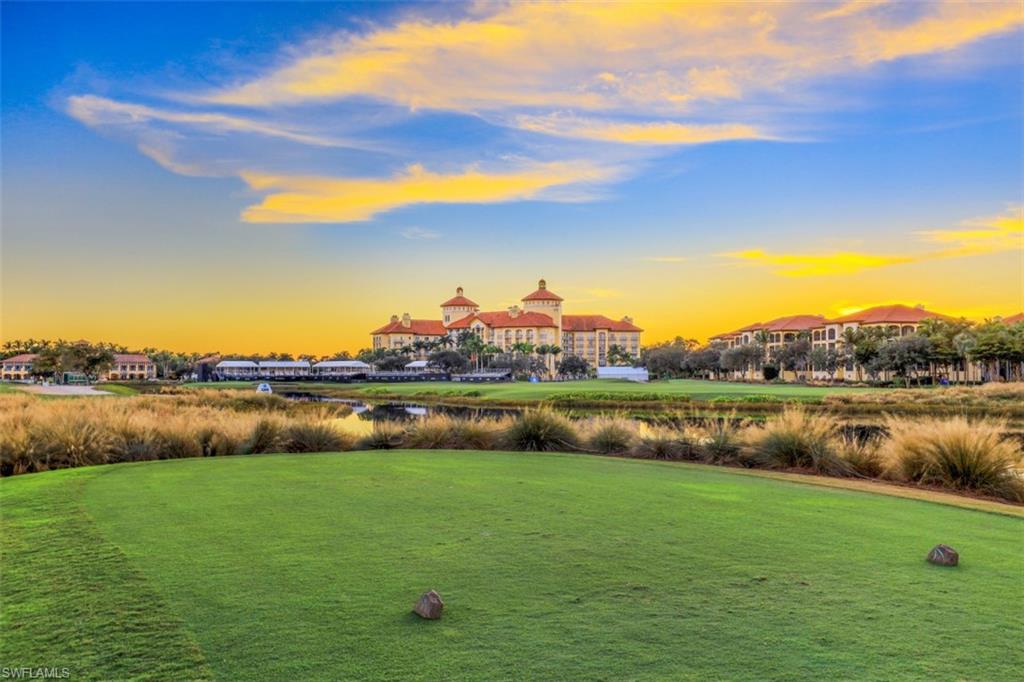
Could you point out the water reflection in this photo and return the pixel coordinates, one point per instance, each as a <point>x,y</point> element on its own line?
<point>364,415</point>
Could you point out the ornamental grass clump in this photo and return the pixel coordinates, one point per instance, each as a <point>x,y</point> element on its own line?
<point>540,430</point>
<point>434,432</point>
<point>955,453</point>
<point>316,436</point>
<point>385,435</point>
<point>478,434</point>
<point>723,442</point>
<point>863,456</point>
<point>610,435</point>
<point>661,443</point>
<point>268,435</point>
<point>797,439</point>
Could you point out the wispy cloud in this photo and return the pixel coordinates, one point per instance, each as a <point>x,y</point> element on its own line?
<point>602,80</point>
<point>295,199</point>
<point>847,9</point>
<point>978,236</point>
<point>419,234</point>
<point>100,112</point>
<point>1003,232</point>
<point>652,133</point>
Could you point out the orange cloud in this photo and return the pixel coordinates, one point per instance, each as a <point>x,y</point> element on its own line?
<point>980,236</point>
<point>304,199</point>
<point>809,265</point>
<point>1003,232</point>
<point>638,57</point>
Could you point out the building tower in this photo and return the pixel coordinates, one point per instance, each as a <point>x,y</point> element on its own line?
<point>546,302</point>
<point>457,308</point>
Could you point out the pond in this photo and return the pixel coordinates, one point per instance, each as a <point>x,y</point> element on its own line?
<point>366,413</point>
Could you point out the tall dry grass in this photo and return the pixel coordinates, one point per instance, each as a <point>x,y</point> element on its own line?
<point>956,454</point>
<point>38,435</point>
<point>798,439</point>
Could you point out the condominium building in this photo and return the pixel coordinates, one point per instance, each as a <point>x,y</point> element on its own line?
<point>897,320</point>
<point>539,320</point>
<point>125,367</point>
<point>131,367</point>
<point>18,367</point>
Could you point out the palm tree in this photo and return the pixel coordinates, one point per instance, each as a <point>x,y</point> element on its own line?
<point>543,350</point>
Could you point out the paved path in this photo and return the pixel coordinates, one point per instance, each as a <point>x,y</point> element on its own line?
<point>61,390</point>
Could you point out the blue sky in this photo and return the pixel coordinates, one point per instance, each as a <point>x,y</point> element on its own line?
<point>184,160</point>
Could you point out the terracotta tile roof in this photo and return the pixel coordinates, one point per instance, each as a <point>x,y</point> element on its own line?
<point>459,300</point>
<point>1014,319</point>
<point>418,327</point>
<point>24,357</point>
<point>749,328</point>
<point>542,294</point>
<point>794,323</point>
<point>131,357</point>
<point>589,323</point>
<point>502,319</point>
<point>889,314</point>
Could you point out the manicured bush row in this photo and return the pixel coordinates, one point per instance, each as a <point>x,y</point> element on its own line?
<point>956,454</point>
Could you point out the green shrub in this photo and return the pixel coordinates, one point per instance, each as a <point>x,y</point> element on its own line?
<point>955,453</point>
<point>540,430</point>
<point>798,439</point>
<point>610,435</point>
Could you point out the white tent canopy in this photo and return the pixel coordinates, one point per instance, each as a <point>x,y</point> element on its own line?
<point>341,364</point>
<point>628,373</point>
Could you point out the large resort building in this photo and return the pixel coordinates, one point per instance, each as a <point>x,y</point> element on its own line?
<point>896,320</point>
<point>539,321</point>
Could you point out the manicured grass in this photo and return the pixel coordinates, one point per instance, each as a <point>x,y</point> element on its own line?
<point>694,389</point>
<point>117,389</point>
<point>552,566</point>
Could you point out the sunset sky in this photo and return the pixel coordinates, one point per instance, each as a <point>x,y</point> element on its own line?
<point>284,177</point>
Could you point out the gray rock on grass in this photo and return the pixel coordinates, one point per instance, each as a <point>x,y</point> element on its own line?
<point>429,606</point>
<point>943,555</point>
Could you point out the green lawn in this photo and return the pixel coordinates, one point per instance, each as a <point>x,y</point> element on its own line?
<point>524,391</point>
<point>117,389</point>
<point>552,567</point>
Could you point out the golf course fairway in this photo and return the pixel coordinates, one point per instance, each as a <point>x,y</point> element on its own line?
<point>550,566</point>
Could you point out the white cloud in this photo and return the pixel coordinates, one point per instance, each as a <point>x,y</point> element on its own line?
<point>419,234</point>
